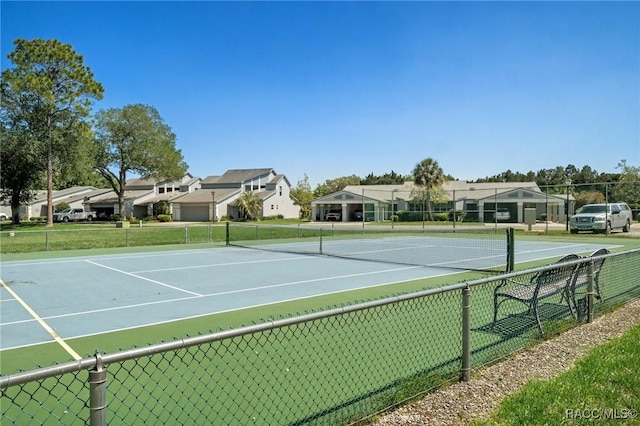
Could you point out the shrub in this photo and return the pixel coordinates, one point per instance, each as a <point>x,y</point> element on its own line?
<point>408,216</point>
<point>164,218</point>
<point>60,206</point>
<point>440,217</point>
<point>273,217</point>
<point>116,217</point>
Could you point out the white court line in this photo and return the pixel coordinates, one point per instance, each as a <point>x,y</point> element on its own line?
<point>171,253</point>
<point>222,293</point>
<point>44,325</point>
<point>240,308</point>
<point>211,265</point>
<point>144,278</point>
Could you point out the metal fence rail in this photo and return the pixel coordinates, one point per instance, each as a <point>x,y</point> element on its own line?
<point>330,367</point>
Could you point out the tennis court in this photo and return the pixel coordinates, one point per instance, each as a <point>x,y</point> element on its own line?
<point>60,299</point>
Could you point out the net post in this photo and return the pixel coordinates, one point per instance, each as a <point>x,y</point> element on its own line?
<point>511,249</point>
<point>226,234</point>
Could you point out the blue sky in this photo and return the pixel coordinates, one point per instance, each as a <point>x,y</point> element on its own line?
<point>339,88</point>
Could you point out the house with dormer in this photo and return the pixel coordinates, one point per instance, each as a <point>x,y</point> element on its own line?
<point>141,195</point>
<point>217,196</point>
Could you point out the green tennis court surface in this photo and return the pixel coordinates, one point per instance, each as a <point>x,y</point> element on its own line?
<point>86,296</point>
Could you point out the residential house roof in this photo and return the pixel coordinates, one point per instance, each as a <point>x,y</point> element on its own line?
<point>204,196</point>
<point>463,190</point>
<point>237,176</point>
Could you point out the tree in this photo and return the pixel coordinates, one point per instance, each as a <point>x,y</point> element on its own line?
<point>249,205</point>
<point>302,196</point>
<point>334,185</point>
<point>628,188</point>
<point>51,90</point>
<point>20,167</point>
<point>429,175</point>
<point>135,139</point>
<point>392,178</point>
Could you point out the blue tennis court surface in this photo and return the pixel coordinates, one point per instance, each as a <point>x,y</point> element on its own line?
<point>85,296</point>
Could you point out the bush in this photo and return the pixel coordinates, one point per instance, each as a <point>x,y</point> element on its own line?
<point>273,217</point>
<point>543,216</point>
<point>60,206</point>
<point>440,217</point>
<point>164,218</point>
<point>403,216</point>
<point>116,217</point>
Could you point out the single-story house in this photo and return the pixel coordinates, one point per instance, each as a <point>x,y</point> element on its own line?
<point>218,194</point>
<point>476,201</point>
<point>75,197</point>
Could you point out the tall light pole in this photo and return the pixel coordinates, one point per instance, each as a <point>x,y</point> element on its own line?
<point>213,195</point>
<point>392,209</point>
<point>568,182</point>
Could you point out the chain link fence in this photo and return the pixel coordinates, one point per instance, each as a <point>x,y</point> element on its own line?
<point>336,366</point>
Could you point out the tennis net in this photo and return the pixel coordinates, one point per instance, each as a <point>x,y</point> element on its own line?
<point>476,249</point>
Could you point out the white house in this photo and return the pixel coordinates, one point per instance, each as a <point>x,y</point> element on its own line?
<point>141,195</point>
<point>477,201</point>
<point>218,194</point>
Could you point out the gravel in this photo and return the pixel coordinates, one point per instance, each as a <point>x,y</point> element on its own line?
<point>461,402</point>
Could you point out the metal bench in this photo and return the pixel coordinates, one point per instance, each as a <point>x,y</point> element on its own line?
<point>580,278</point>
<point>542,285</point>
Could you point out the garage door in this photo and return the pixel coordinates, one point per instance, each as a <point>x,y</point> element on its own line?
<point>194,213</point>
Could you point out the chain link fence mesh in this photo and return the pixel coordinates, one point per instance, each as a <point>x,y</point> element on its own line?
<point>332,367</point>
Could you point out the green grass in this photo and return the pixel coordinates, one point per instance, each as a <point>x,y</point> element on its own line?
<point>604,384</point>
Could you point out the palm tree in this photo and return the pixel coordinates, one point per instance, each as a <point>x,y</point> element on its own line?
<point>249,205</point>
<point>429,175</point>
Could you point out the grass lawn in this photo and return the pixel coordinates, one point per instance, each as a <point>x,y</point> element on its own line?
<point>603,387</point>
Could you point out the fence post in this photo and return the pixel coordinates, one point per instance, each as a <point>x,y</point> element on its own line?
<point>466,334</point>
<point>186,234</point>
<point>590,291</point>
<point>46,240</point>
<point>126,237</point>
<point>226,237</point>
<point>98,393</point>
<point>511,249</point>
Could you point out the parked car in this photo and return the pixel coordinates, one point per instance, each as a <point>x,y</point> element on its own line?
<point>3,216</point>
<point>503,214</point>
<point>357,214</point>
<point>68,215</point>
<point>601,218</point>
<point>335,215</point>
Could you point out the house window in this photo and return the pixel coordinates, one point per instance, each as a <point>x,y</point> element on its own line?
<point>271,206</point>
<point>280,190</point>
<point>160,190</point>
